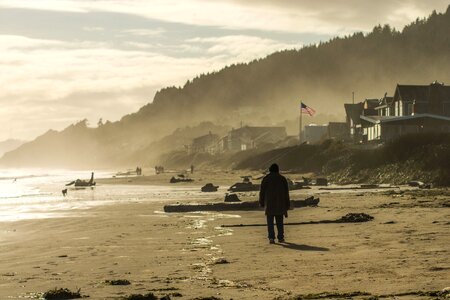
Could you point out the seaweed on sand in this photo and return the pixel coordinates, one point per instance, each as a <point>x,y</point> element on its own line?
<point>435,295</point>
<point>327,295</point>
<point>148,296</point>
<point>220,261</point>
<point>165,289</point>
<point>118,282</point>
<point>176,294</point>
<point>355,218</point>
<point>61,294</point>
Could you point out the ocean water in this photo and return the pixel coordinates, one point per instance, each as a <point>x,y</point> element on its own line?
<point>37,194</point>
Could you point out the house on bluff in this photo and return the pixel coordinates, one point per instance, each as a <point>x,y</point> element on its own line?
<point>412,109</point>
<point>250,137</point>
<point>205,144</point>
<point>354,112</point>
<point>314,133</point>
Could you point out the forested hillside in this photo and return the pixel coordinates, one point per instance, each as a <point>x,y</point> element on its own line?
<point>264,91</point>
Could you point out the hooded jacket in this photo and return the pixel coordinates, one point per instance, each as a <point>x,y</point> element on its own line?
<point>274,194</point>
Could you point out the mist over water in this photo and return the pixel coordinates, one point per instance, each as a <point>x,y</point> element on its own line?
<point>36,194</point>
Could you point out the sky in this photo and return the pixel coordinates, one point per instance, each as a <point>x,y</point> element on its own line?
<point>63,61</point>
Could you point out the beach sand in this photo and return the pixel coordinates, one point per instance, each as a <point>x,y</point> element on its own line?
<point>405,248</point>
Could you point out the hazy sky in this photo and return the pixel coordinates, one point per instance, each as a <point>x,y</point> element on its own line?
<point>63,61</point>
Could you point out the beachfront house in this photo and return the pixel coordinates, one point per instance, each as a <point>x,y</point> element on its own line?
<point>385,106</point>
<point>413,108</point>
<point>338,131</point>
<point>314,133</point>
<point>251,137</point>
<point>222,145</point>
<point>205,144</point>
<point>354,112</point>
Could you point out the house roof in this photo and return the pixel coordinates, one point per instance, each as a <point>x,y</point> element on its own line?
<point>387,119</point>
<point>371,103</point>
<point>422,93</point>
<point>354,111</point>
<point>257,133</point>
<point>337,123</point>
<point>385,102</point>
<point>258,130</point>
<point>207,138</point>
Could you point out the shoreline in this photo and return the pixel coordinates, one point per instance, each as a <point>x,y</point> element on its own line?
<point>200,178</point>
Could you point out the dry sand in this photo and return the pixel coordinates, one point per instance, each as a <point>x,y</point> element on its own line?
<point>405,248</point>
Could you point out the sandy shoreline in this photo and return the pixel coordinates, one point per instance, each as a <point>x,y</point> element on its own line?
<point>404,249</point>
<point>224,178</point>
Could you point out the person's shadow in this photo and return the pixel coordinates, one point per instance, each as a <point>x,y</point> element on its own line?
<point>300,247</point>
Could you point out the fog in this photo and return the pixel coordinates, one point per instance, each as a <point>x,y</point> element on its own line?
<point>262,92</point>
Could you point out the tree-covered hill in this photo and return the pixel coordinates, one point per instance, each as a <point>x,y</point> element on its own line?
<point>264,91</point>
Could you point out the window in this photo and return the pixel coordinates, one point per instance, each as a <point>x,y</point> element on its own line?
<point>446,108</point>
<point>409,109</point>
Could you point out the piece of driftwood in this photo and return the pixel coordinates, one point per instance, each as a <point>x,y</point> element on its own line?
<point>232,206</point>
<point>244,187</point>
<point>348,218</point>
<point>361,187</point>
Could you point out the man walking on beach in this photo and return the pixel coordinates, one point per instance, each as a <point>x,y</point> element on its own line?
<point>274,196</point>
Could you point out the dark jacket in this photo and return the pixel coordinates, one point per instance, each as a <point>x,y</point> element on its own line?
<point>274,194</point>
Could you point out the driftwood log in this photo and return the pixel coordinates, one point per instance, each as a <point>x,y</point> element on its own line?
<point>361,187</point>
<point>233,206</point>
<point>348,218</point>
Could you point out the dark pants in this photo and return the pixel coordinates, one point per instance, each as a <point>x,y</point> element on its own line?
<point>271,229</point>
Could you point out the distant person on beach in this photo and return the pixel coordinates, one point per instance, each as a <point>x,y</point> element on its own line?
<point>192,169</point>
<point>274,196</point>
<point>158,169</point>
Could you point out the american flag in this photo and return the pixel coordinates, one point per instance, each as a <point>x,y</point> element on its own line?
<point>306,109</point>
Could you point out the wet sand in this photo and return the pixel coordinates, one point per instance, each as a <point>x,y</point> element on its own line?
<point>405,248</point>
<point>223,178</point>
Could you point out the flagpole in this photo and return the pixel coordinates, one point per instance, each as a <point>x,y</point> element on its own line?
<point>300,125</point>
